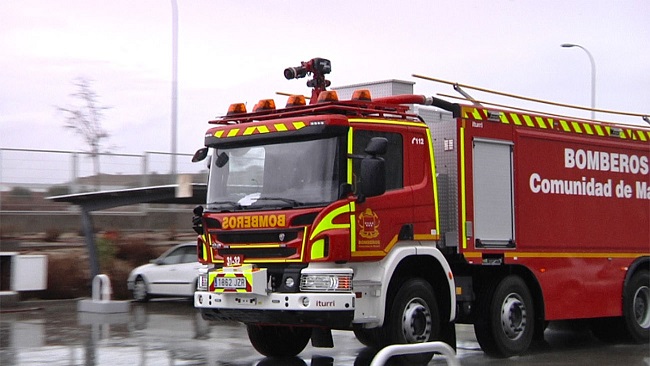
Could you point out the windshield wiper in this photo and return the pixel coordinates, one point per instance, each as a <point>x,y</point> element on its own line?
<point>233,204</point>
<point>290,201</point>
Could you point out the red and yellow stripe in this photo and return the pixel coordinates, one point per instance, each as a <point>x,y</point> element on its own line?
<point>545,122</point>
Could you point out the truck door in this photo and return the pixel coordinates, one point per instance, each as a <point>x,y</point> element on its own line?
<point>380,219</point>
<point>493,194</point>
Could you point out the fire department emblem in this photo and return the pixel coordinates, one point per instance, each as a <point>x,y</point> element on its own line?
<point>369,223</point>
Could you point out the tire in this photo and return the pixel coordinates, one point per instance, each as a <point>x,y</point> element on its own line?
<point>278,341</point>
<point>367,337</point>
<point>413,318</point>
<point>140,291</point>
<point>636,307</point>
<point>506,318</point>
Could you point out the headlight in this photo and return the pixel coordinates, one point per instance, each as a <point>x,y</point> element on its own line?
<point>202,282</point>
<point>326,282</point>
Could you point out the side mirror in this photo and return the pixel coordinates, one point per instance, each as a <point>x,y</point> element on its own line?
<point>373,176</point>
<point>222,160</point>
<point>373,168</point>
<point>200,154</point>
<point>377,146</point>
<point>197,220</point>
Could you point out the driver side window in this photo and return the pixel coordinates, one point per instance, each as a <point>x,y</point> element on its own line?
<point>394,156</point>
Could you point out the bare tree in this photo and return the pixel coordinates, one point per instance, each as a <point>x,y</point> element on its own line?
<point>85,119</point>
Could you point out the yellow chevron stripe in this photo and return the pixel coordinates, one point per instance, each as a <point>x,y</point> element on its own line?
<point>576,127</point>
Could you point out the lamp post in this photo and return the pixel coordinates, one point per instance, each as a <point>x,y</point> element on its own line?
<point>593,76</point>
<point>174,82</point>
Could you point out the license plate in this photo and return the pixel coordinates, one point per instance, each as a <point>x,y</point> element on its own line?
<point>233,260</point>
<point>230,282</point>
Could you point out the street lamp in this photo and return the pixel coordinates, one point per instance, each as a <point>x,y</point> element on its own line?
<point>174,83</point>
<point>593,76</point>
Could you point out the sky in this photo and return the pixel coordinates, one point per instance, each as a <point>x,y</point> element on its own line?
<point>236,51</point>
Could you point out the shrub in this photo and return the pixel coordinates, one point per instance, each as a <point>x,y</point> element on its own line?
<point>105,252</point>
<point>7,231</point>
<point>119,273</point>
<point>52,235</point>
<point>66,278</point>
<point>136,252</point>
<point>21,192</point>
<point>58,191</point>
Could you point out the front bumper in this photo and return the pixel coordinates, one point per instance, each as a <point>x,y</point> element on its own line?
<point>333,310</point>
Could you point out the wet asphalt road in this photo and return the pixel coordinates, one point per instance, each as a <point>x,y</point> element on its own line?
<point>173,333</point>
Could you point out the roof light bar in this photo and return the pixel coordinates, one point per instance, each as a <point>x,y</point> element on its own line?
<point>296,101</point>
<point>264,105</point>
<point>328,96</point>
<point>362,95</point>
<point>236,108</point>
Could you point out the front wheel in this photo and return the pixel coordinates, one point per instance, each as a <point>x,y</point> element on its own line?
<point>278,341</point>
<point>413,318</point>
<point>367,337</point>
<point>140,293</point>
<point>506,318</point>
<point>636,307</point>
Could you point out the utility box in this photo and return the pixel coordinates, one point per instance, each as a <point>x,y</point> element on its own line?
<point>29,273</point>
<point>24,272</point>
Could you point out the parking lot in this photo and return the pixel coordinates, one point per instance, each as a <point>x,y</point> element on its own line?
<point>173,333</point>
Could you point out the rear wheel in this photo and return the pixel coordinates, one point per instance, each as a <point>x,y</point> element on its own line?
<point>278,341</point>
<point>636,307</point>
<point>634,325</point>
<point>505,324</point>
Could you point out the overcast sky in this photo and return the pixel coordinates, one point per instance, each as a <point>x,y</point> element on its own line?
<point>232,51</point>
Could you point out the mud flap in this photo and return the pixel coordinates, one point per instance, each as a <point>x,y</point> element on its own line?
<point>448,333</point>
<point>322,338</point>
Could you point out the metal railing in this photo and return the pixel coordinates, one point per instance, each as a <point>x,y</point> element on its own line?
<point>27,176</point>
<point>403,349</point>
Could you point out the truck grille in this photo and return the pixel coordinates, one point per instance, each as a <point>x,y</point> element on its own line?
<point>260,252</point>
<point>255,244</point>
<point>257,237</point>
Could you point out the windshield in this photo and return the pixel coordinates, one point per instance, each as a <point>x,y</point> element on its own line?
<point>290,174</point>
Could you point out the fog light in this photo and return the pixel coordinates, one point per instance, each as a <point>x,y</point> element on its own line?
<point>289,282</point>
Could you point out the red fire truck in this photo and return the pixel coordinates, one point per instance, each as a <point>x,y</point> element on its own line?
<point>357,215</point>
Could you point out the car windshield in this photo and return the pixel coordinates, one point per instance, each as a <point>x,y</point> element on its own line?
<point>183,254</point>
<point>290,174</point>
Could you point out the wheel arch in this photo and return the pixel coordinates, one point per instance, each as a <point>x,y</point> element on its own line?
<point>430,268</point>
<point>538,297</point>
<point>142,277</point>
<point>639,264</point>
<point>405,259</point>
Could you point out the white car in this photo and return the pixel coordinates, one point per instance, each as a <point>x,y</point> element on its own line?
<point>174,273</point>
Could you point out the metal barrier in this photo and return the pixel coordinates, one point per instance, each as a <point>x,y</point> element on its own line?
<point>58,172</point>
<point>403,349</point>
<point>102,290</point>
<point>101,300</point>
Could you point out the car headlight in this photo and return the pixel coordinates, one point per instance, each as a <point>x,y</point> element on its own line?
<point>334,281</point>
